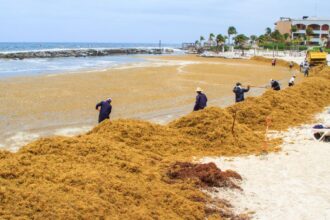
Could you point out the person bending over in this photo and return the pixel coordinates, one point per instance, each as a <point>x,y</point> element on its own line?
<point>275,85</point>
<point>201,100</point>
<point>104,107</point>
<point>291,81</point>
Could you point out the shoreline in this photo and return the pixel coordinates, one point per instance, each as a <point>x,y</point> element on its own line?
<point>82,52</point>
<point>58,101</point>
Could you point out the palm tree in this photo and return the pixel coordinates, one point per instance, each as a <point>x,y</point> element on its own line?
<point>253,38</point>
<point>197,43</point>
<point>240,41</point>
<point>261,39</point>
<point>211,37</point>
<point>268,31</point>
<point>201,39</point>
<point>220,40</point>
<point>231,31</point>
<point>277,36</point>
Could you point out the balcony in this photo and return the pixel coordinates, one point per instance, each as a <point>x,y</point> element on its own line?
<point>300,32</point>
<point>315,40</point>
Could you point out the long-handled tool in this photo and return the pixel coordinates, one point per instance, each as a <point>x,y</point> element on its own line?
<point>259,87</point>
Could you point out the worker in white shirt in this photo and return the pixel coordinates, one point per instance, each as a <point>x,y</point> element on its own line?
<point>291,81</point>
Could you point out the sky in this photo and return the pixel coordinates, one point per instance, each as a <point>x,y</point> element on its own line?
<point>144,21</point>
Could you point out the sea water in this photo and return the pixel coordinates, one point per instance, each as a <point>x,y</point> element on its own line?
<point>37,66</point>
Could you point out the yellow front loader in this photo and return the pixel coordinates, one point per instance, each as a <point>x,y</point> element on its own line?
<point>316,58</point>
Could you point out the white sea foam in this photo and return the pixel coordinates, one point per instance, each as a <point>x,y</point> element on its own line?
<point>21,138</point>
<point>86,49</point>
<point>72,131</point>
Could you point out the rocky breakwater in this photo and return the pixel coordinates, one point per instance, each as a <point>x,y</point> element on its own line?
<point>81,53</point>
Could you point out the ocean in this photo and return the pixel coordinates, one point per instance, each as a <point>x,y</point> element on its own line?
<point>37,66</point>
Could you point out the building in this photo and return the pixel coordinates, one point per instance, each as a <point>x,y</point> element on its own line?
<point>284,25</point>
<point>320,27</point>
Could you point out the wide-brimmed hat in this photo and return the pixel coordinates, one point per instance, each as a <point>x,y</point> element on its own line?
<point>199,89</point>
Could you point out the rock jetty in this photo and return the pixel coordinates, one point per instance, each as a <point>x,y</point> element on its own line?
<point>81,53</point>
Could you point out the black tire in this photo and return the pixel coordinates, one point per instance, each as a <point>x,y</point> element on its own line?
<point>317,136</point>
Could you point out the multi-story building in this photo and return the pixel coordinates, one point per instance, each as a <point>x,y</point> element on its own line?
<point>319,26</point>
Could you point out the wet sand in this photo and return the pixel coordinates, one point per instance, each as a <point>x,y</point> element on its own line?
<point>159,90</point>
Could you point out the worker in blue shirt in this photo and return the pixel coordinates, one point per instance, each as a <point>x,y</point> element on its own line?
<point>104,107</point>
<point>239,92</point>
<point>201,100</point>
<point>275,85</point>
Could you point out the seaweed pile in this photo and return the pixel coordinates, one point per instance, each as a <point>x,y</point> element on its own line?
<point>92,177</point>
<point>204,174</point>
<point>285,108</point>
<point>128,169</point>
<point>279,62</point>
<point>220,133</point>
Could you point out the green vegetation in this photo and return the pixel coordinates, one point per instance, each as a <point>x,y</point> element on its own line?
<point>271,40</point>
<point>241,41</point>
<point>282,46</point>
<point>318,49</point>
<point>231,31</point>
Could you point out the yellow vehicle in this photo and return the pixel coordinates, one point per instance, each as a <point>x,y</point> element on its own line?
<point>316,58</point>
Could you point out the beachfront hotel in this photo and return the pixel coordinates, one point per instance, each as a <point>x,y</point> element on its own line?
<point>320,27</point>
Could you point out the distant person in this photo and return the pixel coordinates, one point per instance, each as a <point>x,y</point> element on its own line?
<point>306,64</point>
<point>201,100</point>
<point>274,62</point>
<point>306,71</point>
<point>239,92</point>
<point>291,65</point>
<point>301,67</point>
<point>104,108</point>
<point>291,81</point>
<point>275,85</point>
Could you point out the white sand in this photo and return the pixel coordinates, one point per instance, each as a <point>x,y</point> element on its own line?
<point>292,184</point>
<point>296,57</point>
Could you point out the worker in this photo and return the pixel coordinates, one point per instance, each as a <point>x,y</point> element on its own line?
<point>306,64</point>
<point>301,66</point>
<point>291,65</point>
<point>306,71</point>
<point>275,85</point>
<point>274,62</point>
<point>291,81</point>
<point>201,100</point>
<point>239,92</point>
<point>104,107</point>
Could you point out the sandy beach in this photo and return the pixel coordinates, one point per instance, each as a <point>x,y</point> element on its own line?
<point>292,184</point>
<point>159,90</point>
